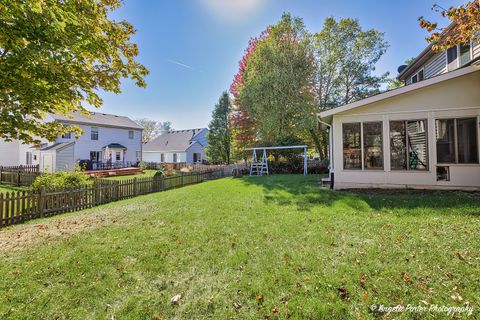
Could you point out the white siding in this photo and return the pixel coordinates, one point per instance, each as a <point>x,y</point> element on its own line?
<point>151,156</point>
<point>106,136</point>
<point>436,65</point>
<point>168,157</point>
<point>9,153</point>
<point>65,159</point>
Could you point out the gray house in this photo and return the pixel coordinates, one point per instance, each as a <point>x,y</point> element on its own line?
<point>179,146</point>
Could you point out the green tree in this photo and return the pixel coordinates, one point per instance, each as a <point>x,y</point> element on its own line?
<point>277,90</point>
<point>345,58</point>
<point>55,56</point>
<point>219,134</point>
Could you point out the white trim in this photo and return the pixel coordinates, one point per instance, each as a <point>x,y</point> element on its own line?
<point>406,89</point>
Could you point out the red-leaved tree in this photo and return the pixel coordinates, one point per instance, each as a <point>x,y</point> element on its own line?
<point>243,128</point>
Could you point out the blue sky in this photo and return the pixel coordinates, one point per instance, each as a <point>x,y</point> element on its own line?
<point>192,47</point>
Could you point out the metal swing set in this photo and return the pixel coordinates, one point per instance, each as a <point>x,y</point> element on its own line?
<point>261,167</point>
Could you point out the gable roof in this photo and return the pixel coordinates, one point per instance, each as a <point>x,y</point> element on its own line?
<point>177,140</point>
<point>399,91</point>
<point>57,146</point>
<point>100,119</point>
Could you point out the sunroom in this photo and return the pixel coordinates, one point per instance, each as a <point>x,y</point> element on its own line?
<point>425,135</point>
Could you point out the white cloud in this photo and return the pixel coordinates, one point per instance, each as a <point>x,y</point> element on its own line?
<point>233,10</point>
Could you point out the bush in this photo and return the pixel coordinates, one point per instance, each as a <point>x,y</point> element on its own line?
<point>142,165</point>
<point>61,180</point>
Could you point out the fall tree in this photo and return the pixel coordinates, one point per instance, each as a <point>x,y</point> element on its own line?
<point>55,56</point>
<point>278,80</point>
<point>464,26</point>
<point>219,134</point>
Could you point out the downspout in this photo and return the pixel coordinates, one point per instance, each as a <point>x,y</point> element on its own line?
<point>331,166</point>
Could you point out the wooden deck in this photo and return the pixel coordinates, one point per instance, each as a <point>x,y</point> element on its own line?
<point>114,172</point>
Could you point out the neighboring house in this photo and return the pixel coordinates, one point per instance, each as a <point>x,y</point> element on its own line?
<point>186,146</point>
<point>106,138</point>
<point>423,135</point>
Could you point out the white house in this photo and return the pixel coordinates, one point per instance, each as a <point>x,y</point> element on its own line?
<point>106,138</point>
<point>186,146</point>
<point>423,135</point>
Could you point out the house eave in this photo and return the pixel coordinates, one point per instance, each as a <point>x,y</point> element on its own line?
<point>399,91</point>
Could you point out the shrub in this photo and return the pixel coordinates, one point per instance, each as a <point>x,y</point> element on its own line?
<point>61,180</point>
<point>142,165</point>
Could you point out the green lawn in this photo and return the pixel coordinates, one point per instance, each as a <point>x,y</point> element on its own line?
<point>4,188</point>
<point>145,174</point>
<point>258,247</point>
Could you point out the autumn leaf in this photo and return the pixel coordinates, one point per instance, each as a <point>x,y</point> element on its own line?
<point>406,277</point>
<point>259,299</point>
<point>365,296</point>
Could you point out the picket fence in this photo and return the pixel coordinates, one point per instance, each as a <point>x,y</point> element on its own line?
<point>19,175</point>
<point>17,207</point>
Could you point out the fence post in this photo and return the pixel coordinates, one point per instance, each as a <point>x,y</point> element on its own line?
<point>134,186</point>
<point>18,177</point>
<point>183,179</point>
<point>1,173</point>
<point>41,202</point>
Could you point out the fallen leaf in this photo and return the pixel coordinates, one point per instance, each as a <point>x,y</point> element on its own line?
<point>275,311</point>
<point>259,298</point>
<point>406,277</point>
<point>365,296</point>
<point>176,298</point>
<point>363,280</point>
<point>237,305</point>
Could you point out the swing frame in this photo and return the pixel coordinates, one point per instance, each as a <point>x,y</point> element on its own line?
<point>264,152</point>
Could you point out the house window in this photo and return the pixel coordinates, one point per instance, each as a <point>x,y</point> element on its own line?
<point>372,145</point>
<point>197,157</point>
<point>95,156</point>
<point>29,158</point>
<point>175,158</point>
<point>465,51</point>
<point>415,79</point>
<point>352,152</point>
<point>67,135</point>
<point>131,135</point>
<point>94,133</point>
<point>408,145</point>
<point>452,58</point>
<point>117,156</point>
<point>419,76</point>
<point>457,140</point>
<point>162,157</point>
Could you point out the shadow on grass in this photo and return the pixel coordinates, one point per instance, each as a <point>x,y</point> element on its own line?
<point>305,193</point>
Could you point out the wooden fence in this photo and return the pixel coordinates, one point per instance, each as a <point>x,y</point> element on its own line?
<point>17,207</point>
<point>19,175</point>
<point>181,165</point>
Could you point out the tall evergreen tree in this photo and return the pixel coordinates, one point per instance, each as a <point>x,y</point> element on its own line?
<point>219,135</point>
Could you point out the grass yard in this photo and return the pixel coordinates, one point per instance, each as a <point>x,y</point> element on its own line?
<point>4,188</point>
<point>260,247</point>
<point>145,174</point>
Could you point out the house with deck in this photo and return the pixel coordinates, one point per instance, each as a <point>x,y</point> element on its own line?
<point>107,140</point>
<point>178,146</point>
<point>424,135</point>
